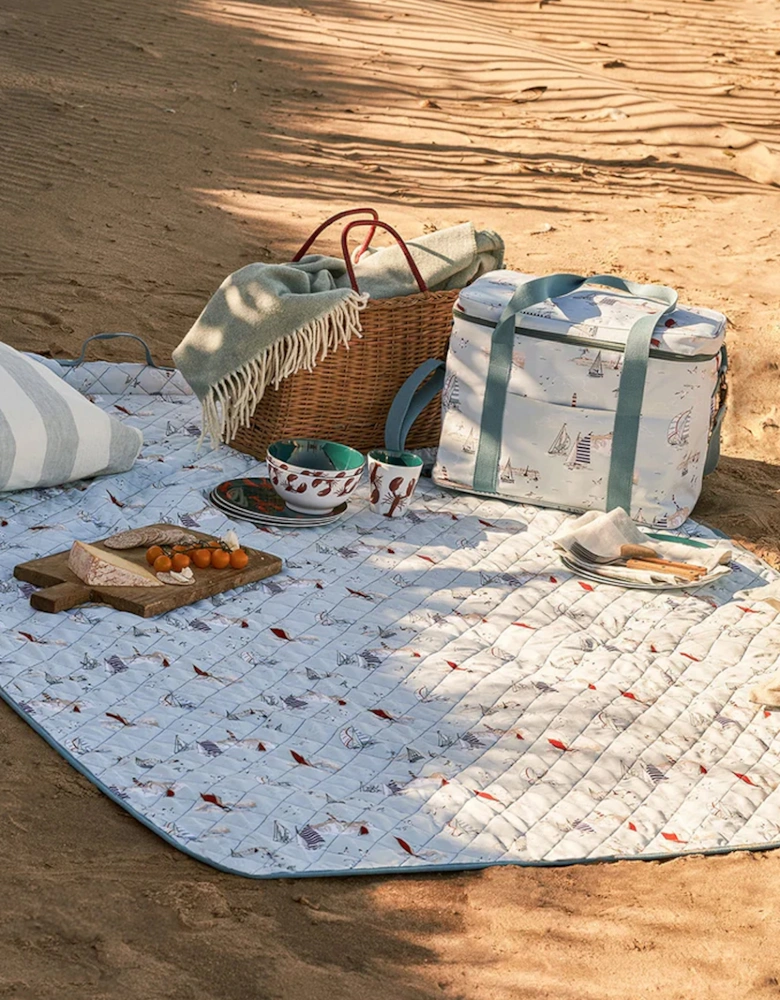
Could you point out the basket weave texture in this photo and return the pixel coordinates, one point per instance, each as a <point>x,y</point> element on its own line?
<point>348,395</point>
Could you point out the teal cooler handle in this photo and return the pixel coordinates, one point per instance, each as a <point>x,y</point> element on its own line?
<point>110,336</point>
<point>713,448</point>
<point>631,387</point>
<point>410,400</point>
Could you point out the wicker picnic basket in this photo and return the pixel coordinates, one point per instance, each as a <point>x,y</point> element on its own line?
<point>347,396</point>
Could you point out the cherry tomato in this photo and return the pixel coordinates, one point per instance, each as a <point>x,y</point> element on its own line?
<point>162,564</point>
<point>180,562</point>
<point>220,559</point>
<point>153,553</point>
<point>202,558</point>
<point>238,559</point>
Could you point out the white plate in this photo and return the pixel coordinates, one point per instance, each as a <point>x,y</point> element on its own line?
<point>294,521</point>
<point>593,575</point>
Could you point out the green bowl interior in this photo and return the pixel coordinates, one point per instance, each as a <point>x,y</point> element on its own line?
<point>326,456</point>
<point>402,459</point>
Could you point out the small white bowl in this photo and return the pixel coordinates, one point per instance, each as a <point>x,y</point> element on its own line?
<point>313,476</point>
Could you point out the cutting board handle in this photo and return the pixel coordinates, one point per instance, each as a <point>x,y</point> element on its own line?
<point>60,597</point>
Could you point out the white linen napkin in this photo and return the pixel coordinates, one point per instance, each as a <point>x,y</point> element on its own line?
<point>770,593</point>
<point>767,692</point>
<point>603,534</point>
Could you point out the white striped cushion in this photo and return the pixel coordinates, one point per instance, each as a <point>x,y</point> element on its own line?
<point>50,434</point>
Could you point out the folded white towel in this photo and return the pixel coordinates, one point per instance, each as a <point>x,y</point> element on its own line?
<point>604,534</point>
<point>767,692</point>
<point>769,593</point>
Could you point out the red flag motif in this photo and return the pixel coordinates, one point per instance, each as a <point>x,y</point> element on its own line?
<point>487,795</point>
<point>213,800</point>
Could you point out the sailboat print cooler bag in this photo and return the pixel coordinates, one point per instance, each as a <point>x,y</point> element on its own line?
<point>550,417</point>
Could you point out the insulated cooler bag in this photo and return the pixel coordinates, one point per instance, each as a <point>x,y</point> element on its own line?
<point>575,393</point>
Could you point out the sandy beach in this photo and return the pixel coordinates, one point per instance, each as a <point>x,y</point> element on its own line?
<point>149,149</point>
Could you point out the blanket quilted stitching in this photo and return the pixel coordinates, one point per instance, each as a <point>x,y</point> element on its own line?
<point>428,692</point>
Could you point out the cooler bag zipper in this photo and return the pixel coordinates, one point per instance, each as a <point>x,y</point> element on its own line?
<point>605,345</point>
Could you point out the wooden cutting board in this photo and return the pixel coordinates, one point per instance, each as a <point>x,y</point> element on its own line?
<point>62,589</point>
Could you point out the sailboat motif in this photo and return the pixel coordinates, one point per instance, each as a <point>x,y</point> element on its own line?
<point>689,459</point>
<point>450,397</point>
<point>506,473</point>
<point>281,834</point>
<point>173,701</point>
<point>311,837</point>
<point>679,429</point>
<point>470,445</point>
<point>580,453</point>
<point>561,444</point>
<point>673,519</point>
<point>596,370</point>
<point>353,739</point>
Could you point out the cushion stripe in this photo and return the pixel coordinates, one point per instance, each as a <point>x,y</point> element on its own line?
<point>110,446</point>
<point>125,444</point>
<point>7,446</point>
<point>50,434</point>
<point>62,436</point>
<point>26,426</point>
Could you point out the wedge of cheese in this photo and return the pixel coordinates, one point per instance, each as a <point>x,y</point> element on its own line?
<point>107,569</point>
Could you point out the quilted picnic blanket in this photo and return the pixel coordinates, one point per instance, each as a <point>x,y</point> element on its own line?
<point>430,692</point>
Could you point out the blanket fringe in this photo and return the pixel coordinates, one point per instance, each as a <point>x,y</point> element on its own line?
<point>230,404</point>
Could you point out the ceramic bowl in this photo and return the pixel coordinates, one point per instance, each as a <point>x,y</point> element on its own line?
<point>313,476</point>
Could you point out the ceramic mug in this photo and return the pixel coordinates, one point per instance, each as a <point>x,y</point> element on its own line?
<point>392,477</point>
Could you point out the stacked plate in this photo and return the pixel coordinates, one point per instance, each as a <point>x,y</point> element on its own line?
<point>591,571</point>
<point>256,500</point>
<point>611,572</point>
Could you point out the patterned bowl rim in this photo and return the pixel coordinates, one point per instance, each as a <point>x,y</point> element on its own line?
<point>300,470</point>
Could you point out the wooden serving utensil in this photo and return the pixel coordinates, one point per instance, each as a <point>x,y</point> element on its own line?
<point>639,553</point>
<point>672,569</point>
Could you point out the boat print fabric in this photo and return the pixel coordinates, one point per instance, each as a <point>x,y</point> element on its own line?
<point>560,406</point>
<point>427,692</point>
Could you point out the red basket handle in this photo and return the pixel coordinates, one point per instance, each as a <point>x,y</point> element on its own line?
<point>382,225</point>
<point>334,218</point>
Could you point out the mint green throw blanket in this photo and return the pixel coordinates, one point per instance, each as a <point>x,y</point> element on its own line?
<point>268,321</point>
